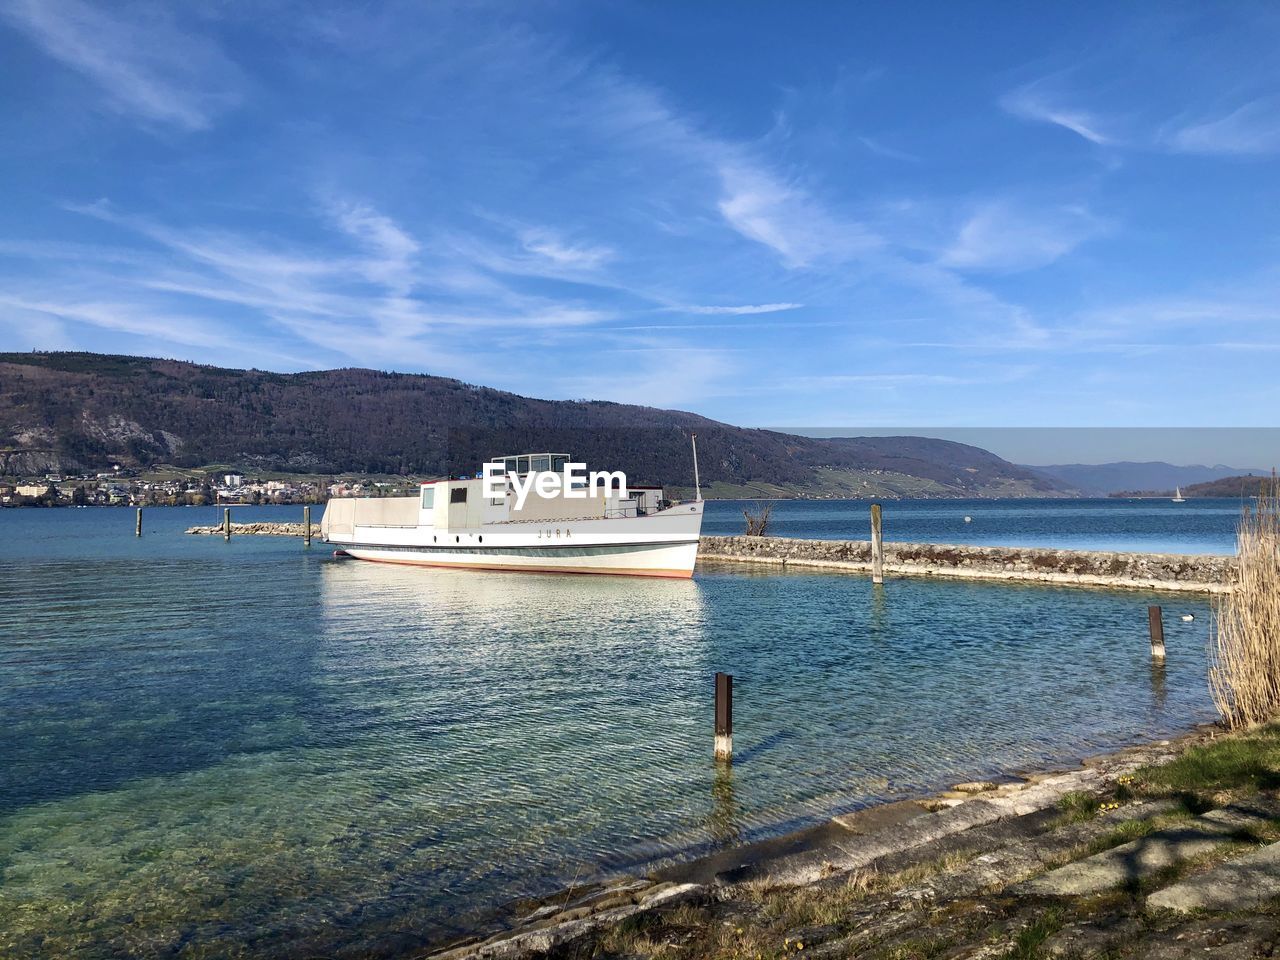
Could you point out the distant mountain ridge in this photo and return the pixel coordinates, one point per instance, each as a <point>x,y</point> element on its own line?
<point>69,412</point>
<point>1233,487</point>
<point>1104,479</point>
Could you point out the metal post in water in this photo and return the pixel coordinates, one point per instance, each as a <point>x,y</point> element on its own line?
<point>226,523</point>
<point>306,525</point>
<point>137,530</point>
<point>877,545</point>
<point>724,717</point>
<point>1155,624</point>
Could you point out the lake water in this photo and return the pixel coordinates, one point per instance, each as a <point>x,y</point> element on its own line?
<point>255,750</point>
<point>1149,526</point>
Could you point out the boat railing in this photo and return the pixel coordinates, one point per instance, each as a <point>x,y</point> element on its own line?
<point>624,513</point>
<point>541,521</point>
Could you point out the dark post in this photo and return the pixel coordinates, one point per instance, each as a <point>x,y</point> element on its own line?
<point>724,716</point>
<point>137,530</point>
<point>226,523</point>
<point>306,525</point>
<point>1155,622</point>
<point>877,546</point>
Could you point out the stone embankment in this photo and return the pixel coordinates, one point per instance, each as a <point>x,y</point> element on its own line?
<point>259,529</point>
<point>1100,861</point>
<point>1158,571</point>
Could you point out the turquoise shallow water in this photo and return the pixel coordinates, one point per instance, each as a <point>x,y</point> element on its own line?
<point>249,749</point>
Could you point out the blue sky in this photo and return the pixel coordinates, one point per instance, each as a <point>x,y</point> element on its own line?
<point>775,214</point>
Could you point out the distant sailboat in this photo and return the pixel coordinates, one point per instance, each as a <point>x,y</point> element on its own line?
<point>1177,495</point>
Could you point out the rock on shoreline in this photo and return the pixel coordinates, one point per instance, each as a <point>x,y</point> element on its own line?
<point>260,529</point>
<point>1160,571</point>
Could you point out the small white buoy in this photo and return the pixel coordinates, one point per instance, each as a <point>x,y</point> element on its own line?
<point>968,519</point>
<point>1188,617</point>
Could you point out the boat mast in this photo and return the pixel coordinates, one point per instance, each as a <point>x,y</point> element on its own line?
<point>697,486</point>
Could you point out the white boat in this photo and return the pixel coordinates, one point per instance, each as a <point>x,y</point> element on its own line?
<point>1177,495</point>
<point>451,523</point>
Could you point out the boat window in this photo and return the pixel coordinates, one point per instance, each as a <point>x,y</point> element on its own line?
<point>428,497</point>
<point>540,463</point>
<point>458,495</point>
<point>524,465</point>
<point>510,465</point>
<point>558,462</point>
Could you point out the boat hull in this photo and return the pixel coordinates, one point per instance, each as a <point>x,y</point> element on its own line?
<point>674,560</point>
<point>660,544</point>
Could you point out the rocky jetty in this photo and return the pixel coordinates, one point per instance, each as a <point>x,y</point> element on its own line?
<point>1158,571</point>
<point>258,529</point>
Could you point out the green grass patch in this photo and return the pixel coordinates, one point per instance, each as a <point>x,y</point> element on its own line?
<point>1078,805</point>
<point>1028,942</point>
<point>1124,832</point>
<point>1249,761</point>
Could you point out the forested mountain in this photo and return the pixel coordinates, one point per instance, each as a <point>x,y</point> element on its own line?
<point>70,412</point>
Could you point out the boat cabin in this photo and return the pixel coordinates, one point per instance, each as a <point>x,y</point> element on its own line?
<point>460,504</point>
<point>457,507</point>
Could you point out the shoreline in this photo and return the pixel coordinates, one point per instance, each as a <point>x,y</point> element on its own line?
<point>1164,572</point>
<point>799,858</point>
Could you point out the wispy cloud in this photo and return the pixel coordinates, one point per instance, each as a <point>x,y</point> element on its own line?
<point>1006,237</point>
<point>546,243</point>
<point>847,379</point>
<point>1252,129</point>
<point>786,219</point>
<point>1030,103</point>
<point>145,65</point>
<point>26,328</point>
<point>742,310</point>
<point>678,375</point>
<point>1251,310</point>
<point>882,149</point>
<point>170,327</point>
<point>382,303</point>
<point>518,250</point>
<point>392,250</point>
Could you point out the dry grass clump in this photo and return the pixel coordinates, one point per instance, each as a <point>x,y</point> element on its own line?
<point>1244,673</point>
<point>758,520</point>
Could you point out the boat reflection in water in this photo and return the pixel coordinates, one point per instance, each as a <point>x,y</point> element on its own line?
<point>514,724</point>
<point>472,609</point>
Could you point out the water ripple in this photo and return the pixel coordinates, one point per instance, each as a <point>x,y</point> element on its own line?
<point>248,750</point>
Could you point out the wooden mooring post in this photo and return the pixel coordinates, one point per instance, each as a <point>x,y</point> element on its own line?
<point>724,717</point>
<point>306,526</point>
<point>137,530</point>
<point>1155,624</point>
<point>877,545</point>
<point>226,523</point>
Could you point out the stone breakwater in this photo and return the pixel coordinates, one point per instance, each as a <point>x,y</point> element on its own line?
<point>259,529</point>
<point>1159,571</point>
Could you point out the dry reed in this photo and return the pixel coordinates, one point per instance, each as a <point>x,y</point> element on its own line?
<point>1244,650</point>
<point>758,521</point>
